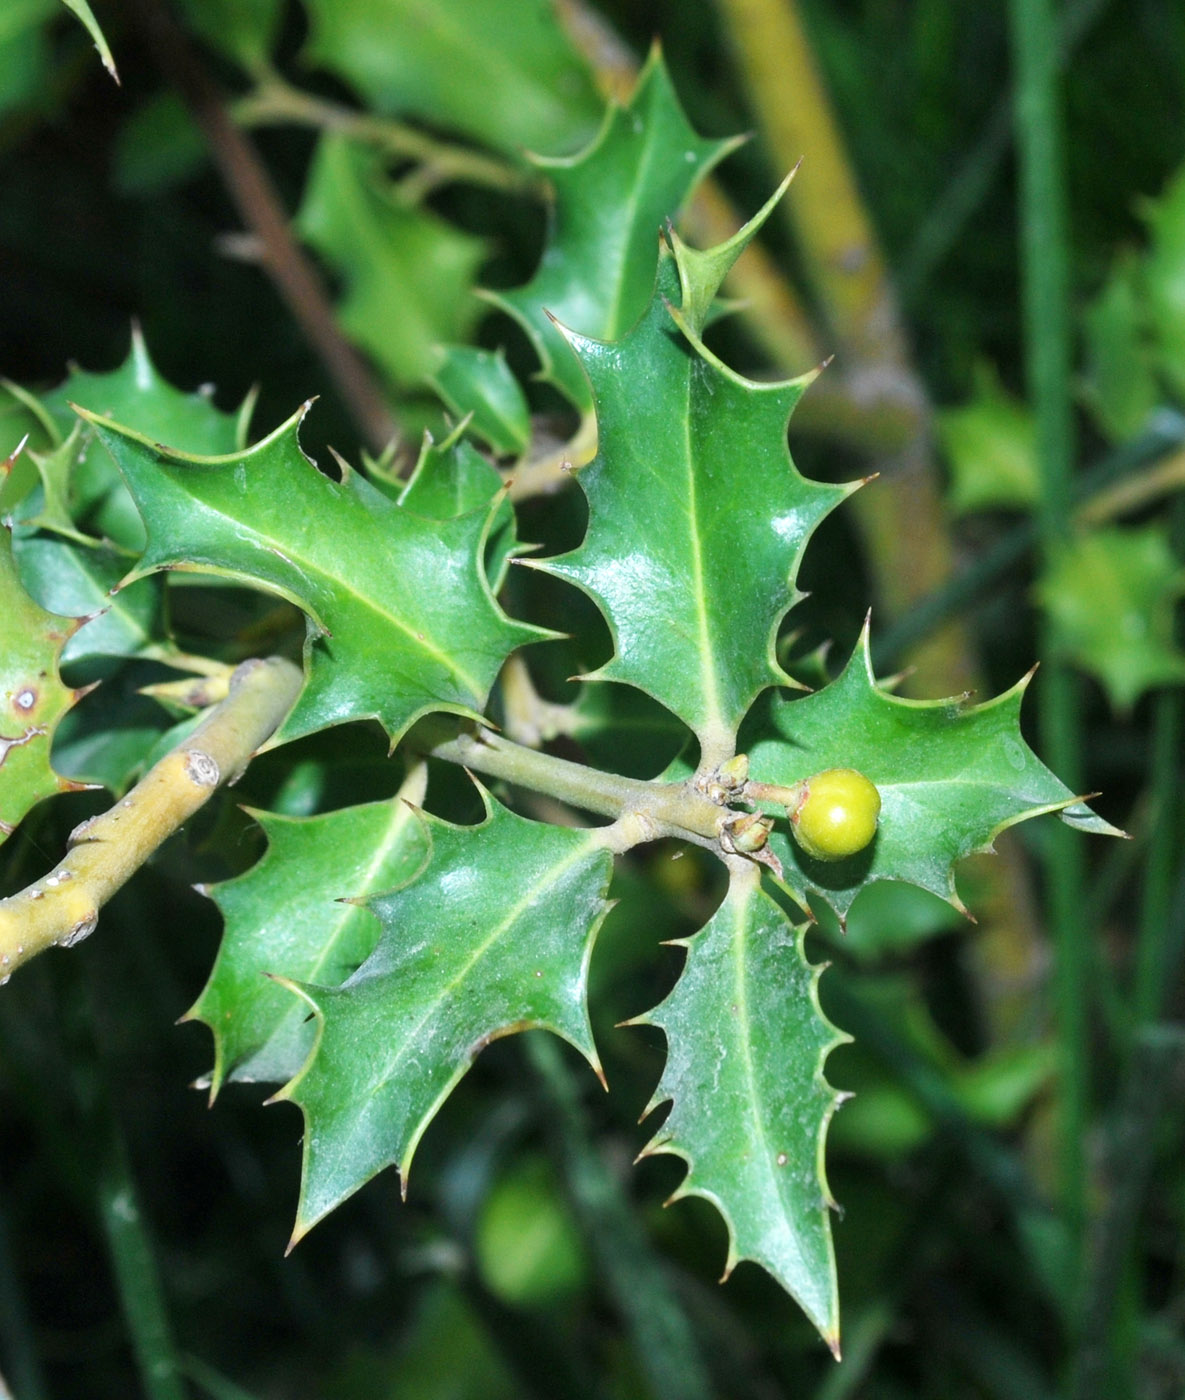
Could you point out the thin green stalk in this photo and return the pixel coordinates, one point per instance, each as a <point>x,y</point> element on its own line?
<point>1158,1062</point>
<point>1045,278</point>
<point>136,1275</point>
<point>212,1382</point>
<point>940,230</point>
<point>1168,733</point>
<point>664,1340</point>
<point>648,810</point>
<point>275,101</point>
<point>1040,1233</point>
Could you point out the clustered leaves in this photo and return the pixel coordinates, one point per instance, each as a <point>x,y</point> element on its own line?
<point>374,950</point>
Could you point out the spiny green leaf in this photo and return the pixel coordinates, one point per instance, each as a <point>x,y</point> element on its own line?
<point>32,696</point>
<point>286,916</point>
<point>401,619</point>
<point>1111,596</point>
<point>480,383</point>
<point>951,776</point>
<point>746,1044</point>
<point>408,274</point>
<point>453,478</point>
<point>697,521</point>
<point>610,202</point>
<point>501,71</point>
<point>494,937</point>
<point>79,581</point>
<point>81,492</point>
<point>85,14</point>
<point>990,443</point>
<point>1119,381</point>
<point>136,392</point>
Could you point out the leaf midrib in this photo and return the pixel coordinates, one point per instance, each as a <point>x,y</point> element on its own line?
<point>337,585</point>
<point>412,1036</point>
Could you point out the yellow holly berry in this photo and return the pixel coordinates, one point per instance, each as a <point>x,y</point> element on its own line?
<point>836,815</point>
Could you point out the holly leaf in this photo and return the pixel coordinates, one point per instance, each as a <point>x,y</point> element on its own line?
<point>386,640</point>
<point>286,915</point>
<point>33,699</point>
<point>746,1045</point>
<point>991,445</point>
<point>697,516</point>
<point>80,582</point>
<point>480,383</point>
<point>494,937</point>
<point>1111,597</point>
<point>1119,380</point>
<point>81,493</point>
<point>407,274</point>
<point>453,478</point>
<point>610,202</point>
<point>951,777</point>
<point>83,11</point>
<point>501,71</point>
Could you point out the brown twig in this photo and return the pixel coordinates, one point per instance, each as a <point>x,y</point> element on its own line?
<point>255,197</point>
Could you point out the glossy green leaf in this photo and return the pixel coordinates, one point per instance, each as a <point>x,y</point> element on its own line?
<point>950,775</point>
<point>1111,596</point>
<point>990,445</point>
<point>137,392</point>
<point>86,15</point>
<point>453,478</point>
<point>33,699</point>
<point>401,619</point>
<point>107,740</point>
<point>81,491</point>
<point>1119,381</point>
<point>480,383</point>
<point>500,71</point>
<point>611,200</point>
<point>286,916</point>
<point>494,937</point>
<point>407,274</point>
<point>1164,283</point>
<point>746,1044</point>
<point>697,521</point>
<point>78,581</point>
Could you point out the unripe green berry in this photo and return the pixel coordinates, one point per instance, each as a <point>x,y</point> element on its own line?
<point>837,814</point>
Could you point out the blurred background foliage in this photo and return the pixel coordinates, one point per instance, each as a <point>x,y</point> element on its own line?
<point>1010,1168</point>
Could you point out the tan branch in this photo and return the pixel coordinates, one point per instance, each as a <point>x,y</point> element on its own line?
<point>63,907</point>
